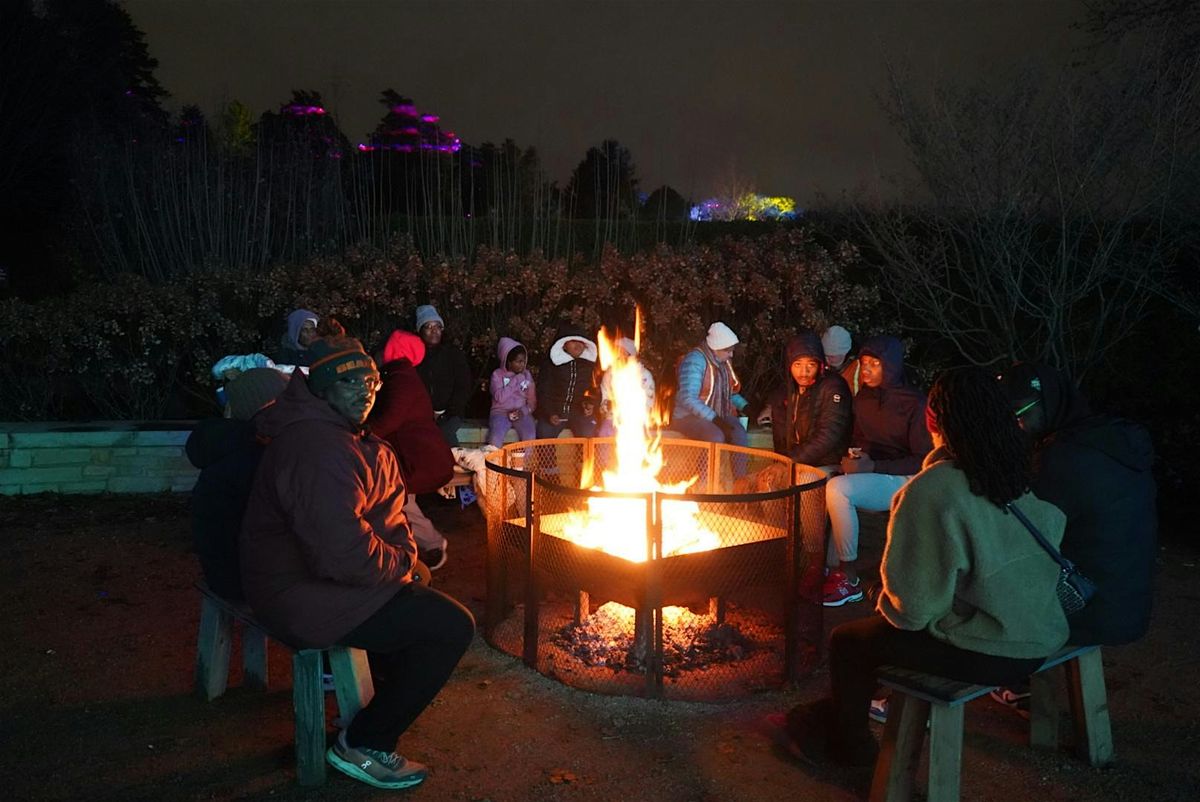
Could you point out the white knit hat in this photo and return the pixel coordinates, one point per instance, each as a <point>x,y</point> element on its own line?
<point>835,341</point>
<point>720,336</point>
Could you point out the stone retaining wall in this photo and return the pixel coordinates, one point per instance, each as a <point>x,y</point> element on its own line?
<point>128,457</point>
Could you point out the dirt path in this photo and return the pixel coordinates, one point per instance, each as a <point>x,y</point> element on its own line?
<point>96,671</point>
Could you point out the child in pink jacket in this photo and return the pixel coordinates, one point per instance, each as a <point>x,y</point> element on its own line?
<point>513,394</point>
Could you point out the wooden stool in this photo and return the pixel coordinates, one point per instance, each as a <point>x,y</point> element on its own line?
<point>917,698</point>
<point>351,676</point>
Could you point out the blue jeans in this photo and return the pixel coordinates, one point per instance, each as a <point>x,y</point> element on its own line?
<point>844,497</point>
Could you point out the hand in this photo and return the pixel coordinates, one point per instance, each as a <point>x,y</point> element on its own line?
<point>863,464</point>
<point>515,415</point>
<point>555,420</point>
<point>764,418</point>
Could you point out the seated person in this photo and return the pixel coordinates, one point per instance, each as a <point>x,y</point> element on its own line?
<point>403,418</point>
<point>227,452</point>
<point>1098,469</point>
<point>707,400</point>
<point>446,374</point>
<point>301,331</point>
<point>567,386</point>
<point>888,442</point>
<point>607,426</point>
<point>328,557</point>
<point>810,415</point>
<point>514,395</point>
<point>968,594</point>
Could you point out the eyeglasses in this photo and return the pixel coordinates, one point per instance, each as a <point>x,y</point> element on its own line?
<point>371,383</point>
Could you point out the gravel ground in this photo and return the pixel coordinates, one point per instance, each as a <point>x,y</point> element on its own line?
<point>99,644</point>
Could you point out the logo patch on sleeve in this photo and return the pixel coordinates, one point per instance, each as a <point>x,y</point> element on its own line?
<point>837,398</point>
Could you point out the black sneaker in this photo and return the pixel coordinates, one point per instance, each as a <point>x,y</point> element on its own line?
<point>374,766</point>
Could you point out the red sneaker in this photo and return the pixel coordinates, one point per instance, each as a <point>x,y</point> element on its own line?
<point>839,590</point>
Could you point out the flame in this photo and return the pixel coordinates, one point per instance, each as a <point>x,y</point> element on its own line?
<point>618,525</point>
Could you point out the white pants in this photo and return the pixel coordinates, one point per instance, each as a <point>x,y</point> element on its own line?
<point>844,497</point>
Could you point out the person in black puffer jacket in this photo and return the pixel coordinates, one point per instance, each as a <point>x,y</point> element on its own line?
<point>1097,470</point>
<point>811,414</point>
<point>567,391</point>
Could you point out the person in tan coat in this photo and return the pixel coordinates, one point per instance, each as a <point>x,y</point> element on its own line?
<point>968,593</point>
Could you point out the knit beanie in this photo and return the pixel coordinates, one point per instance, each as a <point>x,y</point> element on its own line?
<point>720,336</point>
<point>337,358</point>
<point>836,341</point>
<point>427,314</point>
<point>252,390</point>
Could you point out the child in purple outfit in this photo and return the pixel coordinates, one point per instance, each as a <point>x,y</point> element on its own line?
<point>513,394</point>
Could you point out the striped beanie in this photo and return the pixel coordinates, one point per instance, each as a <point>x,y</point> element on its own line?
<point>337,358</point>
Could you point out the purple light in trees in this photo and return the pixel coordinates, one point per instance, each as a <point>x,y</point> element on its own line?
<point>429,118</point>
<point>406,109</point>
<point>301,110</point>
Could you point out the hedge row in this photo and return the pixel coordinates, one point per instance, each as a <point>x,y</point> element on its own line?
<point>136,350</point>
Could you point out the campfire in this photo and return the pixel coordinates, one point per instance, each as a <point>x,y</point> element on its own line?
<point>649,565</point>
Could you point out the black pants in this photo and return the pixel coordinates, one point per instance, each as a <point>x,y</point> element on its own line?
<point>859,647</point>
<point>413,643</point>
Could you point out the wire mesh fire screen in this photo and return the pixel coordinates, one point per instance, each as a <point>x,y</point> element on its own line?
<point>693,594</point>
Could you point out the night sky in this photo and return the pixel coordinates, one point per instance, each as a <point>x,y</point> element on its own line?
<point>779,94</point>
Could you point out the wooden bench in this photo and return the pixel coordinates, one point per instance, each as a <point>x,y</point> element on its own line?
<point>351,676</point>
<point>918,698</point>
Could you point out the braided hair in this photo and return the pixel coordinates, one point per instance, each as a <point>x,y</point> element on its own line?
<point>982,434</point>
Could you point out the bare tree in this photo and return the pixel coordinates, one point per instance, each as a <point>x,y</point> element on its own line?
<point>1041,230</point>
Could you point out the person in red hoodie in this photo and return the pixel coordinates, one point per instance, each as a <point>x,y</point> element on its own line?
<point>403,417</point>
<point>328,556</point>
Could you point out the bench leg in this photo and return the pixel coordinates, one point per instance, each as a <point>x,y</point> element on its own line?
<point>308,702</point>
<point>945,753</point>
<point>351,681</point>
<point>1089,708</point>
<point>900,752</point>
<point>212,650</point>
<point>1043,710</point>
<point>254,657</point>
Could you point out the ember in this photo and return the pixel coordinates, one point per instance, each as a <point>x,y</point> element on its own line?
<point>690,641</point>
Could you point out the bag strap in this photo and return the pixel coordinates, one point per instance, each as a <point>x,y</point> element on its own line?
<point>1063,562</point>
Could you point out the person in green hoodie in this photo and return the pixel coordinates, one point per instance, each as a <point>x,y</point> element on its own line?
<point>967,592</point>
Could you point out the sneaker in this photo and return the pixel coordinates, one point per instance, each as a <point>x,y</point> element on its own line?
<point>839,590</point>
<point>1014,699</point>
<point>879,710</point>
<point>433,558</point>
<point>374,766</point>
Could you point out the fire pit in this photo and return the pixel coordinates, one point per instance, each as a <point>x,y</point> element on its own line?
<point>690,594</point>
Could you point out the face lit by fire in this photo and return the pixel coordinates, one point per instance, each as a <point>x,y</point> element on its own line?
<point>805,370</point>
<point>871,371</point>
